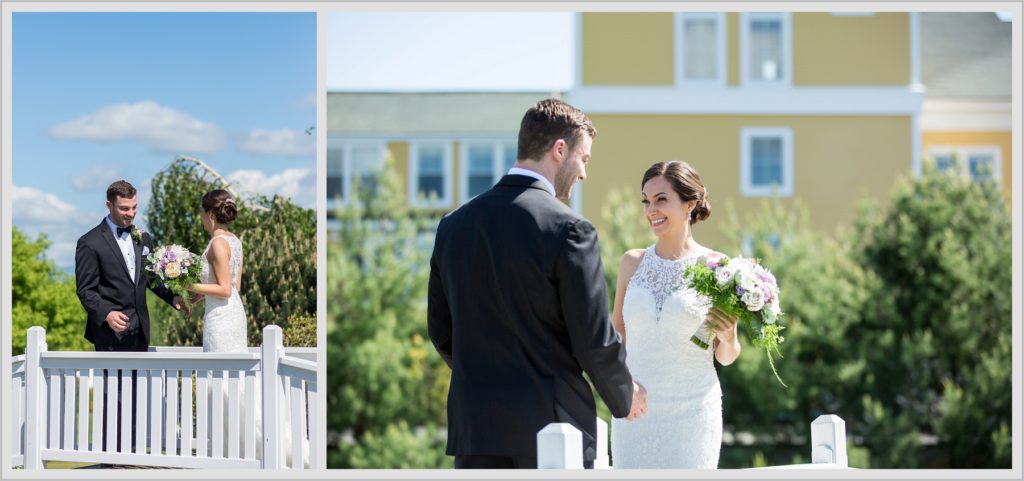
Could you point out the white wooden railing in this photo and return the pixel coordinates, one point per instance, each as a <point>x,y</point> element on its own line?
<point>59,412</point>
<point>560,446</point>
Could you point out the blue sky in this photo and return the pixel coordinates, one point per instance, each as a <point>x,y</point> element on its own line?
<point>103,96</point>
<point>429,51</point>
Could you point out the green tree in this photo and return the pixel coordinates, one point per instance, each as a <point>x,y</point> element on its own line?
<point>383,373</point>
<point>43,295</point>
<point>279,268</point>
<point>934,336</point>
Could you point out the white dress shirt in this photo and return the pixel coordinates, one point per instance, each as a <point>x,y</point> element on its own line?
<point>529,173</point>
<point>125,242</point>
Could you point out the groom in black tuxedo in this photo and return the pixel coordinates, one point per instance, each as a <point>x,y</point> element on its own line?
<point>518,306</point>
<point>112,281</point>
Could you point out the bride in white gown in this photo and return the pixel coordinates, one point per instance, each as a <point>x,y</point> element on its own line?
<point>225,325</point>
<point>656,313</point>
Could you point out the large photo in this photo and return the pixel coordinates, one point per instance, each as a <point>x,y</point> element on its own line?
<point>669,240</point>
<point>164,240</point>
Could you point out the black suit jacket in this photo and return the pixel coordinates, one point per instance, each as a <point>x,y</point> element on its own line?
<point>518,308</point>
<point>104,285</point>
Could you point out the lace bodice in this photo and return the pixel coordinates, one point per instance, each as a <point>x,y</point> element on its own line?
<point>225,325</point>
<point>683,426</point>
<point>206,275</point>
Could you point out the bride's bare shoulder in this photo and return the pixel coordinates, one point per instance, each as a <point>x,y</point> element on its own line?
<point>630,261</point>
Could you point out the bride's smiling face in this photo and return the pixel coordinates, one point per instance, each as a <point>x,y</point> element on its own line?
<point>664,210</point>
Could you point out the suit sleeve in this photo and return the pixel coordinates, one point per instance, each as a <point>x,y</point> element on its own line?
<point>439,315</point>
<point>584,298</point>
<point>87,283</point>
<point>154,283</point>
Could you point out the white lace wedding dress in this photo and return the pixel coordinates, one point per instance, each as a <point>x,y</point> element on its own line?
<point>683,425</point>
<point>225,329</point>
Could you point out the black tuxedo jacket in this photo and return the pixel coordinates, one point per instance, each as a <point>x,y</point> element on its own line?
<point>518,308</point>
<point>104,285</point>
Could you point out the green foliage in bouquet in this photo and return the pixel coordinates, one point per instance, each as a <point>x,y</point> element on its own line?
<point>382,367</point>
<point>279,237</point>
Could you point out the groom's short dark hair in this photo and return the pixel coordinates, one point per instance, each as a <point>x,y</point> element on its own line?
<point>120,188</point>
<point>548,121</point>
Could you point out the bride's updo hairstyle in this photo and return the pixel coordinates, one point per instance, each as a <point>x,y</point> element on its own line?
<point>222,204</point>
<point>686,182</point>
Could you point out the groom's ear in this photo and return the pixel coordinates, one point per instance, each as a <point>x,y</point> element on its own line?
<point>559,149</point>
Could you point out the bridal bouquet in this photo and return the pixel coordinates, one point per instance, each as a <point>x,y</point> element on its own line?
<point>175,266</point>
<point>746,290</point>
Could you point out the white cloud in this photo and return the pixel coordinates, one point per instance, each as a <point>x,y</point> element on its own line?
<point>162,128</point>
<point>278,142</point>
<point>96,178</point>
<point>297,184</point>
<point>35,212</point>
<point>33,206</point>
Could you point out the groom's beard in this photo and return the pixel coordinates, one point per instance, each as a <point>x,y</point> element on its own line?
<point>564,181</point>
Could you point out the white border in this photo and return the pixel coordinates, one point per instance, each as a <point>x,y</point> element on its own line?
<point>785,18</point>
<point>447,166</point>
<point>324,7</point>
<point>747,189</point>
<point>679,56</point>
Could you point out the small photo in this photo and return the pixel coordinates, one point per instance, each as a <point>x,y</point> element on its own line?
<point>670,240</point>
<point>164,306</point>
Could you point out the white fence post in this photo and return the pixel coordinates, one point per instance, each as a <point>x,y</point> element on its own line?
<point>559,446</point>
<point>601,461</point>
<point>270,359</point>
<point>35,405</point>
<point>828,440</point>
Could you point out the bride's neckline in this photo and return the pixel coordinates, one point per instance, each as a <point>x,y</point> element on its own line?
<point>693,253</point>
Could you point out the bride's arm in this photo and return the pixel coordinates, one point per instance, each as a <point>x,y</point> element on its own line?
<point>218,255</point>
<point>627,267</point>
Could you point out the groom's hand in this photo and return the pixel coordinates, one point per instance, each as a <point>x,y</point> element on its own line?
<point>117,320</point>
<point>179,305</point>
<point>639,406</point>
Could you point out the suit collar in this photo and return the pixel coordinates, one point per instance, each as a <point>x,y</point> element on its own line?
<point>524,181</point>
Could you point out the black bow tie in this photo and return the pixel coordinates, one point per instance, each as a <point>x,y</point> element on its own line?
<point>122,230</point>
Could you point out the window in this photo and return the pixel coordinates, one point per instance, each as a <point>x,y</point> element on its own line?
<point>348,160</point>
<point>982,163</point>
<point>700,47</point>
<point>766,161</point>
<point>430,174</point>
<point>765,49</point>
<point>484,162</point>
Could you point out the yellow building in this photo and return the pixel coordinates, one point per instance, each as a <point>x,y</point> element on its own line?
<point>965,64</point>
<point>818,108</point>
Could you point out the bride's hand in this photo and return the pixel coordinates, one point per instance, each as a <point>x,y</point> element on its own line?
<point>722,324</point>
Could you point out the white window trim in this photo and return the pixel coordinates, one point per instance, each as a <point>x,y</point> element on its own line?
<point>787,49</point>
<point>346,146</point>
<point>747,189</point>
<point>962,152</point>
<point>720,40</point>
<point>414,178</point>
<point>497,167</point>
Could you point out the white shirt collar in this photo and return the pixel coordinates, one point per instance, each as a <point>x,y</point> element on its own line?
<point>113,227</point>
<point>529,173</point>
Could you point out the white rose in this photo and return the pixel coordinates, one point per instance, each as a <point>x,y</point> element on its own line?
<point>754,299</point>
<point>723,275</point>
<point>173,270</point>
